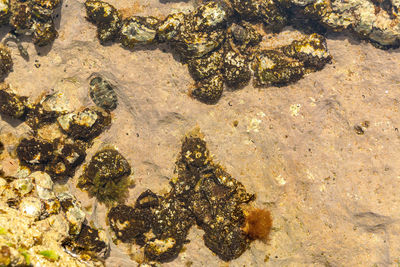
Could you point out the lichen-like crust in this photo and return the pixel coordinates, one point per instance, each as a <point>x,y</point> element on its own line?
<point>203,193</point>
<point>107,176</point>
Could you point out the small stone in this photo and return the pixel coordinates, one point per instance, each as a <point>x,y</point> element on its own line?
<point>31,206</point>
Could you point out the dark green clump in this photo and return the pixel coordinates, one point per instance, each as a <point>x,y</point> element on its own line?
<point>11,104</point>
<point>85,125</point>
<point>58,158</point>
<point>34,152</point>
<point>107,176</point>
<point>37,116</point>
<point>203,194</point>
<point>88,244</point>
<point>6,63</point>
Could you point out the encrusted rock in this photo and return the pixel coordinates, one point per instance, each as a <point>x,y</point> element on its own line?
<point>10,103</point>
<point>209,90</point>
<point>90,243</point>
<point>34,153</point>
<point>203,194</point>
<point>106,18</point>
<point>273,68</point>
<point>236,69</point>
<point>266,11</point>
<point>204,67</point>
<point>73,212</point>
<point>85,125</point>
<point>31,207</point>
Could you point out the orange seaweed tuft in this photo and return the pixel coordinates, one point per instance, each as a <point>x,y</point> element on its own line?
<point>258,224</point>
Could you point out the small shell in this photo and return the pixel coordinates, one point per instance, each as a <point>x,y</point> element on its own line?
<point>102,93</point>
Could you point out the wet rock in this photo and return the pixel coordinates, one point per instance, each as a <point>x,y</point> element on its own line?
<point>258,10</point>
<point>274,68</point>
<point>44,33</point>
<point>31,207</point>
<point>236,69</point>
<point>197,44</point>
<point>34,153</point>
<point>209,16</point>
<point>35,17</point>
<point>129,223</point>
<point>107,176</point>
<point>288,64</point>
<point>4,11</point>
<point>312,51</point>
<point>170,26</point>
<point>203,194</point>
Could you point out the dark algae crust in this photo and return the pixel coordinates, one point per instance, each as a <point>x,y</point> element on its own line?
<point>203,194</point>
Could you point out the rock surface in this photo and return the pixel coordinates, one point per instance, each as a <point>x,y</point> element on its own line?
<point>320,154</point>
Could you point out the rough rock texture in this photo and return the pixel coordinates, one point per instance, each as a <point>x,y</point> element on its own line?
<point>332,192</point>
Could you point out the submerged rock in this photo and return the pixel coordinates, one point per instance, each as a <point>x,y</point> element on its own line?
<point>203,194</point>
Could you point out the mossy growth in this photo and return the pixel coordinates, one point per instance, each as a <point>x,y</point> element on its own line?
<point>51,255</point>
<point>107,176</point>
